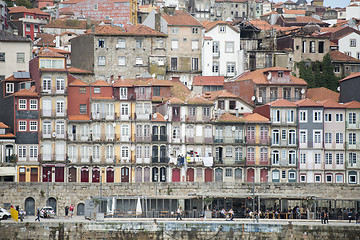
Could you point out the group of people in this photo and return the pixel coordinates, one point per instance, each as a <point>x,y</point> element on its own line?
<point>228,215</point>
<point>69,210</point>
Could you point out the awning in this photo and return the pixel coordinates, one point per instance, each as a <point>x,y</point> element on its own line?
<point>7,171</point>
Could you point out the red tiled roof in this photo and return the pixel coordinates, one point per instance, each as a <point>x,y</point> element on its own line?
<point>208,25</point>
<point>142,30</point>
<point>321,94</point>
<point>79,117</point>
<point>8,135</point>
<point>159,117</point>
<point>44,39</point>
<point>198,100</point>
<point>3,125</point>
<point>26,93</point>
<point>124,83</point>
<point>255,118</point>
<point>307,103</point>
<point>208,80</point>
<point>353,75</point>
<point>303,19</point>
<point>342,57</point>
<point>100,83</point>
<point>294,11</point>
<point>181,18</point>
<point>49,53</point>
<point>78,70</point>
<point>353,104</point>
<point>179,90</point>
<point>78,82</point>
<point>329,103</point>
<point>174,100</point>
<point>220,94</point>
<point>158,82</point>
<point>61,51</point>
<point>227,117</point>
<point>282,103</point>
<point>12,79</point>
<point>25,10</point>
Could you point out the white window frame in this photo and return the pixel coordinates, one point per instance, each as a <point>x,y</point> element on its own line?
<point>9,87</point>
<point>303,116</point>
<point>33,104</point>
<point>101,61</point>
<point>22,126</point>
<point>122,61</point>
<point>22,104</point>
<point>33,126</point>
<point>317,116</point>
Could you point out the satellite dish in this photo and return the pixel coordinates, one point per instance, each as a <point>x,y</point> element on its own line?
<point>338,88</point>
<point>166,117</point>
<point>269,76</point>
<point>132,148</point>
<point>153,75</point>
<point>155,115</point>
<point>302,91</point>
<point>233,128</point>
<point>253,98</point>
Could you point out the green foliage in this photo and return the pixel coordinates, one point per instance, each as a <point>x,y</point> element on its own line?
<point>319,74</point>
<point>9,3</point>
<point>24,3</point>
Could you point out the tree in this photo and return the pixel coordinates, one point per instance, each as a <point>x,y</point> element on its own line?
<point>9,3</point>
<point>24,3</point>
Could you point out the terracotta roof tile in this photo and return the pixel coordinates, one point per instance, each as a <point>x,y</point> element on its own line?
<point>294,11</point>
<point>304,19</point>
<point>353,75</point>
<point>102,98</point>
<point>282,103</point>
<point>8,135</point>
<point>3,125</point>
<point>255,118</point>
<point>79,117</point>
<point>219,94</point>
<point>208,25</point>
<point>329,103</point>
<point>124,83</point>
<point>49,53</point>
<point>158,82</point>
<point>159,117</point>
<point>78,70</point>
<point>353,104</point>
<point>179,90</point>
<point>45,39</point>
<point>342,57</point>
<point>26,93</point>
<point>101,83</point>
<point>12,79</point>
<point>25,10</point>
<point>142,30</point>
<point>261,24</point>
<point>208,80</point>
<point>60,51</point>
<point>181,18</point>
<point>174,100</point>
<point>227,117</point>
<point>78,82</point>
<point>307,103</point>
<point>198,100</point>
<point>321,94</point>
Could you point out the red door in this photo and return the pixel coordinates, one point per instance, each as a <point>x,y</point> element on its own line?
<point>59,174</point>
<point>110,175</point>
<point>250,175</point>
<point>125,174</point>
<point>176,175</point>
<point>84,175</point>
<point>34,175</point>
<point>46,172</point>
<point>263,175</point>
<point>96,175</point>
<point>208,175</point>
<point>72,174</point>
<point>190,175</point>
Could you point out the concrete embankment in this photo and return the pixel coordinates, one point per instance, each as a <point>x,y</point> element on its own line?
<point>166,230</point>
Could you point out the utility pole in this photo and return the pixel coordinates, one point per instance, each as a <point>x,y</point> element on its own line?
<point>100,192</point>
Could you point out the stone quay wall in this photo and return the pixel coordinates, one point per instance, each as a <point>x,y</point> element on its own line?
<point>175,230</point>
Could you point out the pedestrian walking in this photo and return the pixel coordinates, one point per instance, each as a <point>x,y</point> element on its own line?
<point>178,213</point>
<point>38,215</point>
<point>66,211</point>
<point>326,218</point>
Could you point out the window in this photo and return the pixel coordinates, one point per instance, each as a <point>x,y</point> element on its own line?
<point>83,109</point>
<point>215,48</point>
<point>206,111</point>
<point>317,178</point>
<point>328,137</point>
<point>352,138</point>
<point>2,57</point>
<point>352,158</point>
<point>317,116</point>
<point>60,84</point>
<point>275,175</point>
<point>321,47</point>
<point>339,117</point>
<point>339,178</point>
<point>102,60</point>
<point>238,154</point>
<point>250,154</point>
<point>339,137</point>
<point>230,68</point>
<point>122,61</point>
<point>36,28</point>
<point>173,63</point>
<point>317,137</point>
<point>46,84</point>
<point>121,43</point>
<point>139,61</point>
<point>283,134</point>
<point>317,158</point>
<point>352,118</point>
<point>52,63</point>
<point>101,43</point>
<point>82,89</point>
<point>302,158</point>
<point>275,157</point>
<point>352,178</point>
<point>195,44</point>
<point>229,47</point>
<point>222,29</point>
<point>275,137</point>
<point>290,116</point>
<point>339,158</point>
<point>292,157</point>
<point>328,158</point>
<point>174,30</point>
<point>124,109</point>
<point>28,26</point>
<point>303,116</point>
<point>95,6</point>
<point>303,137</point>
<point>302,178</point>
<point>9,87</point>
<point>229,152</point>
<point>22,126</point>
<point>228,172</point>
<point>33,104</point>
<point>33,151</point>
<point>195,30</point>
<point>33,126</point>
<point>283,174</point>
<point>60,128</point>
<point>97,90</point>
<point>312,46</point>
<point>348,53</point>
<point>337,68</point>
<point>195,64</point>
<point>138,43</point>
<point>327,117</point>
<point>215,67</point>
<point>160,43</point>
<point>174,44</point>
<point>22,104</point>
<point>292,175</point>
<point>352,42</point>
<point>280,74</point>
<point>20,57</point>
<point>192,111</point>
<point>60,107</point>
<point>22,151</point>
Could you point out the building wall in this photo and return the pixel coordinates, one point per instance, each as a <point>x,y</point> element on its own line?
<point>82,52</point>
<point>349,90</point>
<point>345,47</point>
<point>10,65</point>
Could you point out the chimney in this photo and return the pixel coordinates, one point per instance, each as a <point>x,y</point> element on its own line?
<point>157,22</point>
<point>237,112</point>
<point>170,10</point>
<point>57,41</point>
<point>88,22</point>
<point>175,79</point>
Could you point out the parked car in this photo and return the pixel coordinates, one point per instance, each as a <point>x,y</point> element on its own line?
<point>46,212</point>
<point>4,214</point>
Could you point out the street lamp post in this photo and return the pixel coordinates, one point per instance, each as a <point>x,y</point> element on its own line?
<point>100,192</point>
<point>156,180</point>
<point>48,188</point>
<point>253,205</point>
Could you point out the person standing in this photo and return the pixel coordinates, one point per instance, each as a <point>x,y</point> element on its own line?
<point>71,210</point>
<point>326,218</point>
<point>178,213</point>
<point>231,214</point>
<point>350,215</point>
<point>38,215</point>
<point>322,216</point>
<point>66,211</point>
<point>357,216</point>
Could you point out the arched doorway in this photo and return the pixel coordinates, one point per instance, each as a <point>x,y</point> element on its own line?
<point>72,174</point>
<point>125,174</point>
<point>110,175</point>
<point>218,175</point>
<point>138,174</point>
<point>80,209</point>
<point>176,175</point>
<point>147,174</point>
<point>52,203</point>
<point>95,175</point>
<point>30,206</point>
